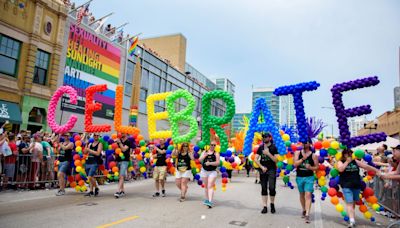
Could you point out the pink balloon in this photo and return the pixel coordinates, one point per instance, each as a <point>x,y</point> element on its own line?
<point>52,109</point>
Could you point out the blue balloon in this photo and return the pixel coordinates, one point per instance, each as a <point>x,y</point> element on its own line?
<point>91,140</point>
<point>346,218</point>
<point>196,149</point>
<point>368,158</point>
<point>106,138</point>
<point>372,219</point>
<point>323,153</point>
<point>222,169</point>
<point>197,177</point>
<point>228,153</point>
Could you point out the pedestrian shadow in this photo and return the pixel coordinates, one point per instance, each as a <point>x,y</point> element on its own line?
<point>338,220</point>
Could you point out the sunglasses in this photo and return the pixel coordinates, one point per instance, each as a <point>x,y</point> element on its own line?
<point>96,135</point>
<point>185,146</point>
<point>213,145</point>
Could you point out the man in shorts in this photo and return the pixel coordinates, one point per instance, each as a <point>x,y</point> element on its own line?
<point>160,169</point>
<point>126,146</point>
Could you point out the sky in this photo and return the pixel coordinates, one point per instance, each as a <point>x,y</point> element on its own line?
<point>271,43</point>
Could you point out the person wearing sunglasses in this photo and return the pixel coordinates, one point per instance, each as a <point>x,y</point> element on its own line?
<point>210,161</point>
<point>266,159</point>
<point>350,181</point>
<point>126,147</point>
<point>94,156</point>
<point>160,169</point>
<point>183,167</point>
<point>65,157</point>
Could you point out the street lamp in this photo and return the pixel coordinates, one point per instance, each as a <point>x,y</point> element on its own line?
<point>324,107</point>
<point>375,126</point>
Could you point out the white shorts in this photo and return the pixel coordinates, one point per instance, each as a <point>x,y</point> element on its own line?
<point>205,173</point>
<point>185,174</point>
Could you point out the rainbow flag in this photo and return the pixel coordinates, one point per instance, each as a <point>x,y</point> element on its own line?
<point>134,42</point>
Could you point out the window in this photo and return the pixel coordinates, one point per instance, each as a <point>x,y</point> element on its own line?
<point>130,68</point>
<point>156,84</point>
<point>144,81</point>
<point>41,67</point>
<point>9,54</point>
<point>128,89</point>
<point>143,94</point>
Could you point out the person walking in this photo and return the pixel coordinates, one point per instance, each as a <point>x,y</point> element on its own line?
<point>183,168</point>
<point>210,160</point>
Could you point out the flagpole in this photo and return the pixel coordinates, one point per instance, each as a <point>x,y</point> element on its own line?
<point>101,18</point>
<point>123,25</point>
<point>130,37</point>
<point>84,4</point>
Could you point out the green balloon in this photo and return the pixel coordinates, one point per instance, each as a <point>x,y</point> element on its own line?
<point>279,164</point>
<point>286,179</point>
<point>116,178</point>
<point>334,172</point>
<point>343,213</point>
<point>171,147</point>
<point>141,164</point>
<point>359,153</point>
<point>201,144</point>
<point>332,151</point>
<point>288,143</point>
<point>289,167</point>
<point>142,143</point>
<point>342,147</point>
<point>324,189</point>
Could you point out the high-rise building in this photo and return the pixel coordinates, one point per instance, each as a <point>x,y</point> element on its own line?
<point>287,115</point>
<point>272,101</point>
<point>225,85</point>
<point>237,122</point>
<point>355,124</point>
<point>396,93</point>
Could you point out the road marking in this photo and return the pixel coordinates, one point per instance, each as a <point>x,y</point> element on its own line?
<point>118,222</point>
<point>317,212</point>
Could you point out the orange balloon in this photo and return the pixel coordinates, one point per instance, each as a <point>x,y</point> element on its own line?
<point>114,136</point>
<point>105,172</point>
<point>78,143</point>
<point>326,144</point>
<point>372,199</point>
<point>118,151</point>
<point>81,183</point>
<point>115,169</point>
<point>363,208</point>
<point>334,200</point>
<point>253,156</point>
<point>77,163</point>
<point>139,157</point>
<point>72,184</point>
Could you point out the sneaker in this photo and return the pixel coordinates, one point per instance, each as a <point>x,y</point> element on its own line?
<point>60,193</point>
<point>117,195</point>
<point>209,204</point>
<point>157,194</point>
<point>121,194</point>
<point>351,224</point>
<point>96,191</point>
<point>90,194</point>
<point>272,208</point>
<point>163,193</point>
<point>303,215</point>
<point>264,210</point>
<point>205,202</point>
<point>255,182</point>
<point>307,217</point>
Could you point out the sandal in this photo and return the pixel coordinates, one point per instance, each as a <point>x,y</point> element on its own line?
<point>307,217</point>
<point>303,215</point>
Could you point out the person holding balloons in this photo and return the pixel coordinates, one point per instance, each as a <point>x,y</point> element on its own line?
<point>350,181</point>
<point>183,158</point>
<point>93,149</point>
<point>266,159</point>
<point>160,169</point>
<point>210,160</point>
<point>64,159</point>
<point>306,163</point>
<point>123,162</point>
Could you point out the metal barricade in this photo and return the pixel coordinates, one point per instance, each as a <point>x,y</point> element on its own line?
<point>388,192</point>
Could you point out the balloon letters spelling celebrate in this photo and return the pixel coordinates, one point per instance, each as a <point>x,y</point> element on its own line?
<point>215,122</point>
<point>184,115</point>
<point>267,126</point>
<point>297,92</point>
<point>119,93</point>
<point>152,117</point>
<point>52,109</point>
<point>91,107</point>
<point>342,113</point>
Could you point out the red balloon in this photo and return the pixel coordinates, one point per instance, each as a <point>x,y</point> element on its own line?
<point>371,173</point>
<point>294,147</point>
<point>317,145</point>
<point>332,192</point>
<point>112,164</point>
<point>70,179</point>
<point>114,146</point>
<point>255,149</point>
<point>76,157</point>
<point>224,180</point>
<point>368,192</point>
<point>340,194</point>
<point>234,165</point>
<point>77,138</point>
<point>359,202</point>
<point>102,167</point>
<point>78,177</point>
<point>119,135</point>
<point>321,167</point>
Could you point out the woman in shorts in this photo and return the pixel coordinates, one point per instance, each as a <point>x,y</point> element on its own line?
<point>183,168</point>
<point>210,160</point>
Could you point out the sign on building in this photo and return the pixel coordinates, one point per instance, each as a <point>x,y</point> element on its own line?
<point>91,60</point>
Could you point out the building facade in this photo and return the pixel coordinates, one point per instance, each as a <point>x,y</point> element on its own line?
<point>226,85</point>
<point>388,122</point>
<point>287,115</point>
<point>396,93</point>
<point>272,102</point>
<point>356,124</point>
<point>238,123</point>
<point>31,41</point>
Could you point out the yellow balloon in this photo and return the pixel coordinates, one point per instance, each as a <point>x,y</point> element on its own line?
<point>338,156</point>
<point>290,161</point>
<point>77,188</point>
<point>142,148</point>
<point>365,180</point>
<point>116,174</point>
<point>223,189</point>
<point>285,137</point>
<point>142,169</point>
<point>78,169</point>
<point>78,149</point>
<point>335,145</point>
<point>353,156</point>
<point>130,169</point>
<point>339,207</point>
<point>218,148</point>
<point>255,165</point>
<point>280,158</point>
<point>367,215</point>
<point>375,206</point>
<point>147,155</point>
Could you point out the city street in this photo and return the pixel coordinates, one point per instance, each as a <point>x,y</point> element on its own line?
<point>239,206</point>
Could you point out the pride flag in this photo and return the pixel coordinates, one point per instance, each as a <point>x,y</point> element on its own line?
<point>134,41</point>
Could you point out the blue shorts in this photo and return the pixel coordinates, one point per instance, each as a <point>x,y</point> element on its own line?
<point>91,169</point>
<point>123,168</point>
<point>351,195</point>
<point>305,184</point>
<point>63,167</point>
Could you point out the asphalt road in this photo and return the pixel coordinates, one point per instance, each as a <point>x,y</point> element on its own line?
<point>239,206</point>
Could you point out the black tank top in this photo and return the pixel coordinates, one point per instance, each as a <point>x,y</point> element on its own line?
<point>350,177</point>
<point>183,162</point>
<point>209,158</point>
<point>65,155</point>
<point>301,169</point>
<point>93,159</point>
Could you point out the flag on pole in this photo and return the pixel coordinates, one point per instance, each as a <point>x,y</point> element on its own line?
<point>100,25</point>
<point>134,42</point>
<point>84,11</point>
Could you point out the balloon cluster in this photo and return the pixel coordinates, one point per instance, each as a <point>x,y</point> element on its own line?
<point>267,126</point>
<point>91,107</point>
<point>342,113</point>
<point>184,115</point>
<point>119,93</point>
<point>297,92</point>
<point>214,122</point>
<point>52,109</point>
<point>152,117</point>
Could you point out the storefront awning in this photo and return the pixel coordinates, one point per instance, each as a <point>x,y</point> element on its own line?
<point>10,111</point>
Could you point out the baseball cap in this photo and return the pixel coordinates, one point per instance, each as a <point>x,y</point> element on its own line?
<point>396,148</point>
